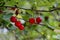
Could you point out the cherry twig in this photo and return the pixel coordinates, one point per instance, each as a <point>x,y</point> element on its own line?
<point>32,9</point>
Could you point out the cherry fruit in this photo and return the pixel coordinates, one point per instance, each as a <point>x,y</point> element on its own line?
<point>19,25</point>
<point>32,20</point>
<point>38,20</point>
<point>13,19</point>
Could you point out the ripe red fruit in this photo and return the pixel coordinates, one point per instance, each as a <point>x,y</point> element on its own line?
<point>19,25</point>
<point>38,20</point>
<point>32,20</point>
<point>17,12</point>
<point>13,19</point>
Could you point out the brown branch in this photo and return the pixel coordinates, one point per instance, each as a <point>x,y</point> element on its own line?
<point>54,9</point>
<point>41,10</point>
<point>15,7</point>
<point>33,10</point>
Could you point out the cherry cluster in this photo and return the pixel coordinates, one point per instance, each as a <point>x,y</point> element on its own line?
<point>14,19</point>
<point>33,21</point>
<point>17,23</point>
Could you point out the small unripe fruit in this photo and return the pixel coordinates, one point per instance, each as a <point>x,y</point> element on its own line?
<point>32,20</point>
<point>46,18</point>
<point>13,19</point>
<point>38,20</point>
<point>17,12</point>
<point>13,8</point>
<point>1,11</point>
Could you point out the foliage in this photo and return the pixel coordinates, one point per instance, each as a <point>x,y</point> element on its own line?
<point>32,9</point>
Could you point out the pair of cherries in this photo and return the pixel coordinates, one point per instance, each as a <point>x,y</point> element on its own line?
<point>33,20</point>
<point>17,23</point>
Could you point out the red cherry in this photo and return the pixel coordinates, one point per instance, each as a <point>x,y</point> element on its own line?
<point>38,20</point>
<point>32,20</point>
<point>17,12</point>
<point>19,25</point>
<point>13,19</point>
